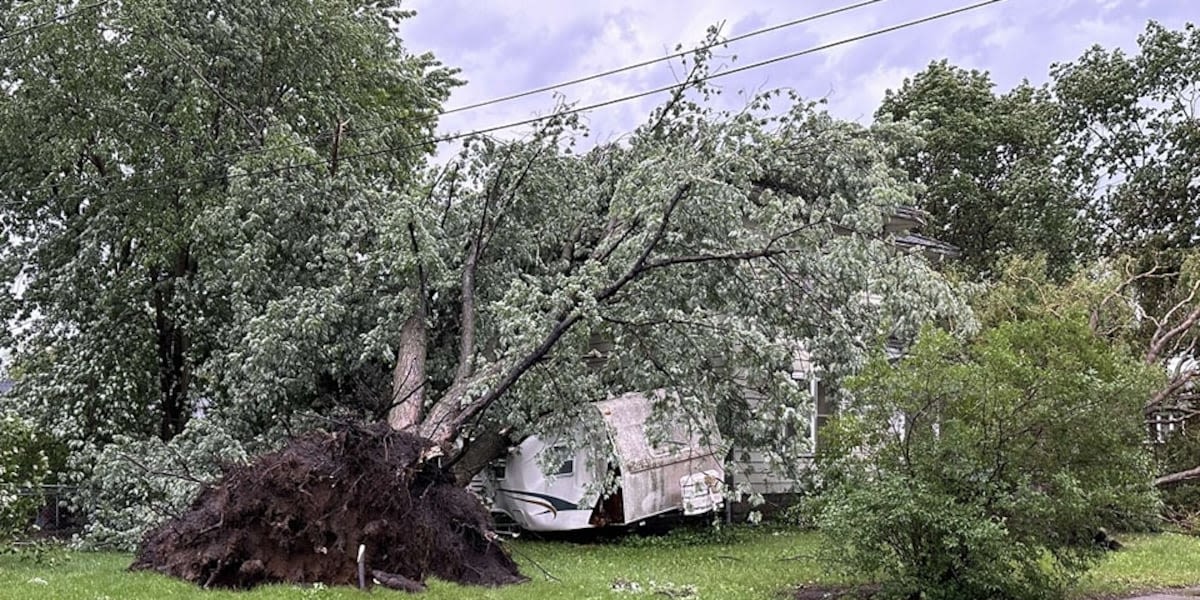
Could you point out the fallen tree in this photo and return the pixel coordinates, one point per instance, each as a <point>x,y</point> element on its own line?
<point>1148,305</point>
<point>1156,306</point>
<point>301,514</point>
<point>469,306</point>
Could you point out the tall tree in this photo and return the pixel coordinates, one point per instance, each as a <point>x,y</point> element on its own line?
<point>134,130</point>
<point>989,164</point>
<point>1134,137</point>
<point>1133,140</point>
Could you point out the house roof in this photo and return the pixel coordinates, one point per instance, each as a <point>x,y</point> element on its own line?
<point>932,248</point>
<point>906,219</point>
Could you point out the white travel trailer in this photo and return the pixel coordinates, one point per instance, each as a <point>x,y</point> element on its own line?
<point>682,474</point>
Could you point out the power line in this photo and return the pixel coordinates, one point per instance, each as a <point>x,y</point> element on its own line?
<point>228,157</point>
<point>570,111</point>
<point>61,17</point>
<point>856,38</point>
<point>646,63</point>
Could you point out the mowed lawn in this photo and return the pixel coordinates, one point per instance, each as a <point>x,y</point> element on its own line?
<point>753,564</point>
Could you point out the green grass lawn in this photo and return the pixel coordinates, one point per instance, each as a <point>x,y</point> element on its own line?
<point>1164,560</point>
<point>749,565</point>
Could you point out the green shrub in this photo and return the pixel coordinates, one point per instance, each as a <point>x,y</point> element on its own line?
<point>983,468</point>
<point>135,484</point>
<point>23,468</point>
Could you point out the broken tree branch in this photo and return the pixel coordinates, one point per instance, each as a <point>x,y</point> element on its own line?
<point>1176,384</point>
<point>1161,340</point>
<point>1178,477</point>
<point>639,264</point>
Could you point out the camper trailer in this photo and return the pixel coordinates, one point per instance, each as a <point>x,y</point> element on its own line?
<point>682,474</point>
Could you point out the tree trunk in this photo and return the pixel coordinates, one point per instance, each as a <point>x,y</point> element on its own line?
<point>480,451</point>
<point>408,376</point>
<point>173,377</point>
<point>171,340</point>
<point>453,409</point>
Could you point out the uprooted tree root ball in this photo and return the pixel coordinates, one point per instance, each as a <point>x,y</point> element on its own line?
<point>299,515</point>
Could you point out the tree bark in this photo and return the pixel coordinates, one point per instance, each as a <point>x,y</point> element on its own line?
<point>408,376</point>
<point>171,344</point>
<point>453,409</point>
<point>1161,338</point>
<point>466,346</point>
<point>1172,388</point>
<point>1178,477</point>
<point>171,341</point>
<point>480,451</point>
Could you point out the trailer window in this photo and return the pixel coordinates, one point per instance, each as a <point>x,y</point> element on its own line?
<point>568,466</point>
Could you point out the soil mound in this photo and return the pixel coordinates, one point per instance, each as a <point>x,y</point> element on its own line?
<point>299,515</point>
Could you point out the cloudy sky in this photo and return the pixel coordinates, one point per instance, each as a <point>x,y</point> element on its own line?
<point>509,46</point>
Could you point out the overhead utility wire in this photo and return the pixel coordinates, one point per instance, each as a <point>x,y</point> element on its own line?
<point>648,62</point>
<point>573,110</point>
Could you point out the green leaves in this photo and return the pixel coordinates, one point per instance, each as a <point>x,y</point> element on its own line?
<point>1131,128</point>
<point>197,238</point>
<point>973,458</point>
<point>698,255</point>
<point>24,466</point>
<point>989,166</point>
<point>173,178</point>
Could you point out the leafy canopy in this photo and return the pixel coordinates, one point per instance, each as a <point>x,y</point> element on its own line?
<point>170,266</point>
<point>1131,128</point>
<point>172,168</point>
<point>982,467</point>
<point>990,166</point>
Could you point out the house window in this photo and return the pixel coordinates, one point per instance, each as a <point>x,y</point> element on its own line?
<point>499,469</point>
<point>822,411</point>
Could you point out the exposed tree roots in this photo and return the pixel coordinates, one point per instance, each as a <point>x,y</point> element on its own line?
<point>300,514</point>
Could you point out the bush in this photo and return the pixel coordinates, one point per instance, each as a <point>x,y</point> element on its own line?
<point>983,468</point>
<point>136,484</point>
<point>23,468</point>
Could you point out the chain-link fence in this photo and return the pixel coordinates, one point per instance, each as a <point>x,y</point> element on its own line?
<point>55,515</point>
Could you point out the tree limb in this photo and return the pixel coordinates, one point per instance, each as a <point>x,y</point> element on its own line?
<point>1178,477</point>
<point>216,91</point>
<point>639,264</point>
<point>466,340</point>
<point>1160,340</point>
<point>475,250</point>
<point>1177,383</point>
<point>703,258</point>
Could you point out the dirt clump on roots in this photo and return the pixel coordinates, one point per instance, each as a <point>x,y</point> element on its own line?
<point>299,515</point>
